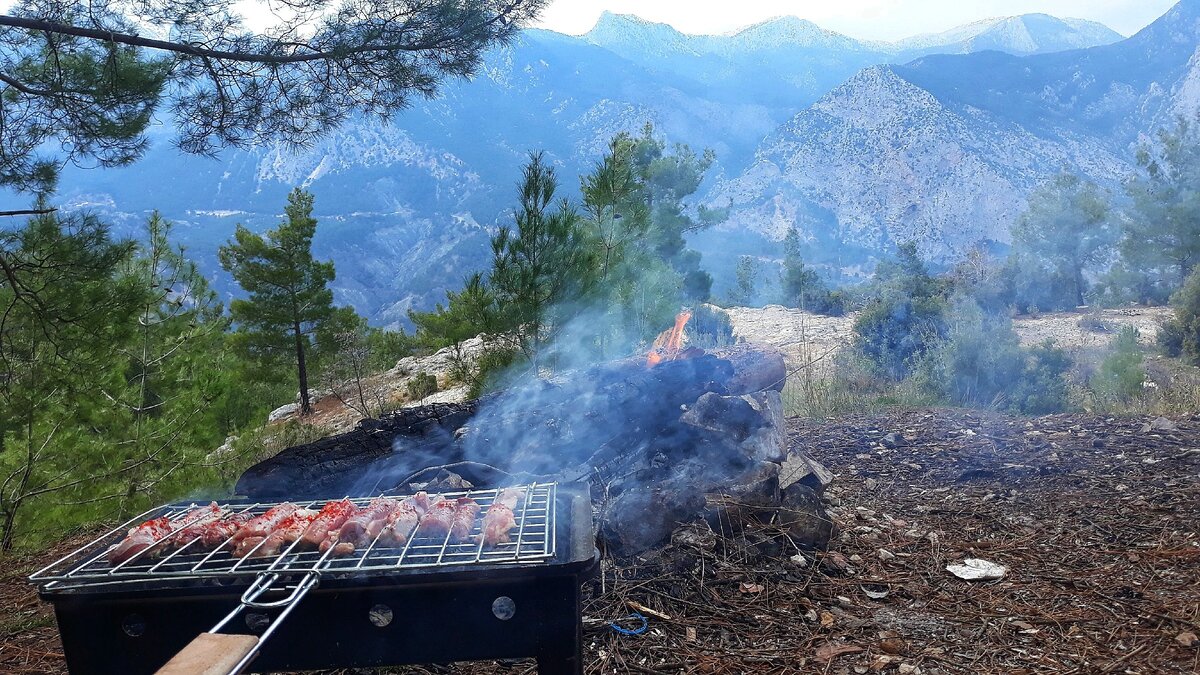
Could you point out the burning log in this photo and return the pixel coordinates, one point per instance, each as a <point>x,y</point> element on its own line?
<point>755,368</point>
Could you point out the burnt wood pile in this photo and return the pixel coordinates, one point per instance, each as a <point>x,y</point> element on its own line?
<point>697,437</point>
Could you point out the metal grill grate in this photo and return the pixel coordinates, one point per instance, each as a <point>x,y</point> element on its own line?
<point>533,541</point>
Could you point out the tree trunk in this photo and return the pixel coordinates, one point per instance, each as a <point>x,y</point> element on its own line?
<point>301,371</point>
<point>1079,301</point>
<point>6,540</point>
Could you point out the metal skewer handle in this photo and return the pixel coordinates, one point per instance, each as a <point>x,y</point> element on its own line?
<point>215,653</point>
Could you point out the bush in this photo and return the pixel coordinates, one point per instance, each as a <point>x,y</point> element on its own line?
<point>710,328</point>
<point>1122,375</point>
<point>895,331</point>
<point>421,385</point>
<point>980,363</point>
<point>1170,338</point>
<point>1042,388</point>
<point>493,371</point>
<point>1187,318</point>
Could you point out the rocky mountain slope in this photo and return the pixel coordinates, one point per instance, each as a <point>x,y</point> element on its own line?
<point>406,207</point>
<point>945,150</point>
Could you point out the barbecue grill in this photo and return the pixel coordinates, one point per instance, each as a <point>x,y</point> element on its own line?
<point>430,601</point>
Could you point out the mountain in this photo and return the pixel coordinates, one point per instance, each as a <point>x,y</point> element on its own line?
<point>1021,35</point>
<point>945,150</point>
<point>406,207</point>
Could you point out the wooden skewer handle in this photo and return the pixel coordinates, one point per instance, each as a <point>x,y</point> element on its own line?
<point>210,654</point>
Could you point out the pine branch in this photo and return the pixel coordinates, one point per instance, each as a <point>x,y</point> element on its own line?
<point>192,49</point>
<point>24,212</point>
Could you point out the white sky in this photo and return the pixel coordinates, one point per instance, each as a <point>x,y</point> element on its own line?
<point>864,19</point>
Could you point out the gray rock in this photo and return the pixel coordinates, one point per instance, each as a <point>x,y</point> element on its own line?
<point>640,519</point>
<point>800,468</point>
<point>1159,424</point>
<point>754,422</point>
<point>283,412</point>
<point>804,518</point>
<point>894,440</point>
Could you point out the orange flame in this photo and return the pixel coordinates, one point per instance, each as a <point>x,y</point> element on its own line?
<point>669,344</point>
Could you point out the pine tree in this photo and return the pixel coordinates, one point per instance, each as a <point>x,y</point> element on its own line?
<point>542,269</point>
<point>747,273</point>
<point>62,316</point>
<point>173,375</point>
<point>800,286</point>
<point>1162,234</point>
<point>289,296</point>
<point>1065,232</point>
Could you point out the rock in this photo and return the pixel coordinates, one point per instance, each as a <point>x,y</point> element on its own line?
<point>283,412</point>
<point>886,555</point>
<point>1159,424</point>
<point>804,519</point>
<point>909,669</point>
<point>225,449</point>
<point>640,519</point>
<point>447,481</point>
<point>798,467</point>
<point>1187,639</point>
<point>894,440</point>
<point>375,456</point>
<point>756,489</point>
<point>756,367</point>
<point>754,422</point>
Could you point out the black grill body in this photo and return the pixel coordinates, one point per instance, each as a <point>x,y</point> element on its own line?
<point>432,615</point>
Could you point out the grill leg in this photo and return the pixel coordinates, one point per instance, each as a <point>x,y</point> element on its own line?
<point>561,652</point>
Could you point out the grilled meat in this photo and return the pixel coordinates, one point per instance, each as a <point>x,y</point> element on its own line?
<point>400,525</point>
<point>259,527</point>
<point>464,520</point>
<point>438,520</point>
<point>361,528</point>
<point>291,528</point>
<point>208,534</point>
<point>331,518</point>
<point>215,533</point>
<point>499,520</point>
<point>149,533</point>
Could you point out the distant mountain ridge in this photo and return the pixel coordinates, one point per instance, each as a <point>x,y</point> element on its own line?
<point>1022,35</point>
<point>406,207</point>
<point>934,153</point>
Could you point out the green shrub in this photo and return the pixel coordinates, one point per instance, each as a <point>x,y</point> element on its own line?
<point>894,332</point>
<point>1186,302</point>
<point>1122,375</point>
<point>980,363</point>
<point>421,385</point>
<point>709,328</point>
<point>492,371</point>
<point>1170,338</point>
<point>1042,388</point>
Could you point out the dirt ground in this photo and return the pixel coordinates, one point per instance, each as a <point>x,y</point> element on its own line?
<point>1096,519</point>
<point>802,336</point>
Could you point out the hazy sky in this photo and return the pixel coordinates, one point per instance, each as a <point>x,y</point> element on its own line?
<point>866,19</point>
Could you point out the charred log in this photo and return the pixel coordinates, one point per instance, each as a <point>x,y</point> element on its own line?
<point>356,462</point>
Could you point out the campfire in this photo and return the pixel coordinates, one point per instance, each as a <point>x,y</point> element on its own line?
<point>681,436</point>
